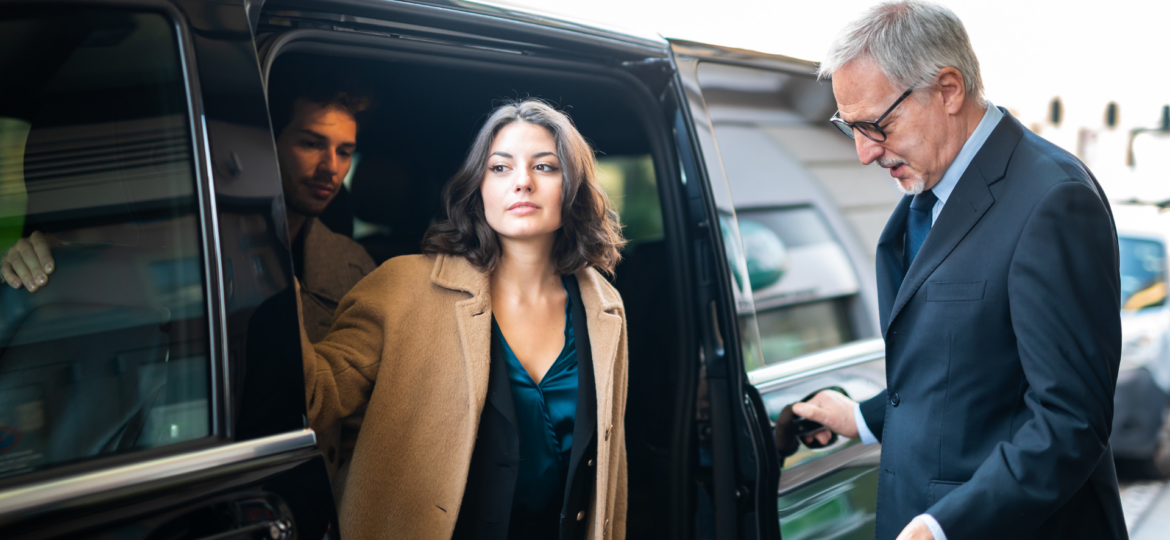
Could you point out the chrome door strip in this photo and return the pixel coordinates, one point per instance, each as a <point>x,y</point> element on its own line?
<point>806,366</point>
<point>17,501</point>
<point>859,455</point>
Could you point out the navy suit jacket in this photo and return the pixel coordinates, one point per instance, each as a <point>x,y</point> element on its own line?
<point>1003,340</point>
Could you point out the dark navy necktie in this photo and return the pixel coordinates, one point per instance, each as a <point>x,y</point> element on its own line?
<point>920,217</point>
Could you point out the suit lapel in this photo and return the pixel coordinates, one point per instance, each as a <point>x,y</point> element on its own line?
<point>963,209</point>
<point>889,260</point>
<point>473,318</point>
<point>966,205</point>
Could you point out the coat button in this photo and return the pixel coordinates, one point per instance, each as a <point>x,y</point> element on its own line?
<point>894,399</point>
<point>589,463</point>
<point>580,515</point>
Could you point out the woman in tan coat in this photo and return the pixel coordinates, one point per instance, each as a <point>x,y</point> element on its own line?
<point>494,366</point>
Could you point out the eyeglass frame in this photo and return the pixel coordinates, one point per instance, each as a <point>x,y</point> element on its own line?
<point>848,127</point>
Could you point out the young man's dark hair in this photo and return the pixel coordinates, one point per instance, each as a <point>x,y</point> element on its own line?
<point>322,89</point>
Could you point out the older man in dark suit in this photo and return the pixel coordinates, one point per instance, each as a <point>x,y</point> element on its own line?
<point>998,296</point>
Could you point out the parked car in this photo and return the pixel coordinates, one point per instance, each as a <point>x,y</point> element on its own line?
<point>1141,438</point>
<point>153,389</point>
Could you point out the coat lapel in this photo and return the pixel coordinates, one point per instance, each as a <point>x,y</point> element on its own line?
<point>320,279</point>
<point>964,208</point>
<point>585,424</point>
<point>473,318</point>
<point>605,328</point>
<point>889,260</point>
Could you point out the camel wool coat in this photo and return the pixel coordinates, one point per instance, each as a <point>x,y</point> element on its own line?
<point>413,341</point>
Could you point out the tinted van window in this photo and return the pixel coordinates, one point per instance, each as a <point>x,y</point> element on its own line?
<point>802,281</point>
<point>111,354</point>
<point>771,131</point>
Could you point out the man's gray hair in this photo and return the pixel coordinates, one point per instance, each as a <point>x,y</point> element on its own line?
<point>908,40</point>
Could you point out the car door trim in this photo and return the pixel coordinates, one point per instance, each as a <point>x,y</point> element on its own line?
<point>858,454</point>
<point>858,352</point>
<point>18,503</point>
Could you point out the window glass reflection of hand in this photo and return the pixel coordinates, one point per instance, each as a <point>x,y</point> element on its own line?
<point>29,262</point>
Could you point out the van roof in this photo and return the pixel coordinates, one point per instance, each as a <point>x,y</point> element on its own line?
<point>642,37</point>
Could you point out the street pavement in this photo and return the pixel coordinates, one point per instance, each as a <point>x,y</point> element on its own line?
<point>1146,505</point>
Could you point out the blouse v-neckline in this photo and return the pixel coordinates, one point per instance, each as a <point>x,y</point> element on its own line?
<point>510,355</point>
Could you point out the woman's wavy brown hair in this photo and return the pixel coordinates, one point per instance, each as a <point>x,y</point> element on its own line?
<point>590,233</point>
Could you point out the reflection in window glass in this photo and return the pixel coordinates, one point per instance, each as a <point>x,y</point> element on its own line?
<point>110,355</point>
<point>794,264</point>
<point>793,331</point>
<point>1143,273</point>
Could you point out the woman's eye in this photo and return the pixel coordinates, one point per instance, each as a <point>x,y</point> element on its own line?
<point>545,167</point>
<point>498,168</point>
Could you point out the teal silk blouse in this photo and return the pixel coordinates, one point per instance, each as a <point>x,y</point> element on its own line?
<point>545,414</point>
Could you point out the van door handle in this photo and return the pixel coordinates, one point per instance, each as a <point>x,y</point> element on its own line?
<point>278,529</point>
<point>791,429</point>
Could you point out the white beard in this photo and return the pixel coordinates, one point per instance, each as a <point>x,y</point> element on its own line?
<point>917,185</point>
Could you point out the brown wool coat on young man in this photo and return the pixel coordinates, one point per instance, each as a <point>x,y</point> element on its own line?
<point>413,340</point>
<point>334,263</point>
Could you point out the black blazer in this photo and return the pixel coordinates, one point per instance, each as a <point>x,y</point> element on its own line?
<point>1003,341</point>
<point>495,462</point>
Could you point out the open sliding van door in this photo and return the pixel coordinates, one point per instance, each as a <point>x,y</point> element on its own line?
<point>737,457</point>
<point>792,300</point>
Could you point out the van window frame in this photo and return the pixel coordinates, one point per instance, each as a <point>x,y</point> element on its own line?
<point>207,227</point>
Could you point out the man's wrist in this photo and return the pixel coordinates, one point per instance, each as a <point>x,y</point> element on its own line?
<point>932,524</point>
<point>867,436</point>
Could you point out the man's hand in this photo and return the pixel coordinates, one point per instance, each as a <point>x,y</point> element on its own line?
<point>916,530</point>
<point>833,410</point>
<point>29,263</point>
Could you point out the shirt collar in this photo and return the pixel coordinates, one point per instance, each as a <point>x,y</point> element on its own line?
<point>991,118</point>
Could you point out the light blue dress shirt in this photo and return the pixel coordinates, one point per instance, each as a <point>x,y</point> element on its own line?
<point>943,190</point>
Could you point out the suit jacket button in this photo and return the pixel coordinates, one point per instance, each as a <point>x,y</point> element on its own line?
<point>580,515</point>
<point>894,399</point>
<point>589,463</point>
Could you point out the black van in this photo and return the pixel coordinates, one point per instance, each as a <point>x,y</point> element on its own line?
<point>155,389</point>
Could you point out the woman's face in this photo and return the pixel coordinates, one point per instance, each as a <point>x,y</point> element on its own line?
<point>522,186</point>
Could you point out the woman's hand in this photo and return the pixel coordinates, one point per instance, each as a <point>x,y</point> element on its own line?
<point>28,263</point>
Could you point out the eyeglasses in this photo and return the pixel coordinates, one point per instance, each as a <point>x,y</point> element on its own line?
<point>873,130</point>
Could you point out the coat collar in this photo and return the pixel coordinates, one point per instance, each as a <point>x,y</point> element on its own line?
<point>473,318</point>
<point>966,206</point>
<point>322,276</point>
<point>603,309</point>
<point>474,321</point>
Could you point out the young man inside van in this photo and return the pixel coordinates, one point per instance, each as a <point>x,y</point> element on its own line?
<point>317,127</point>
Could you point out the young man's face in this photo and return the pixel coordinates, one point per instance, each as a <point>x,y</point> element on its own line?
<point>315,151</point>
